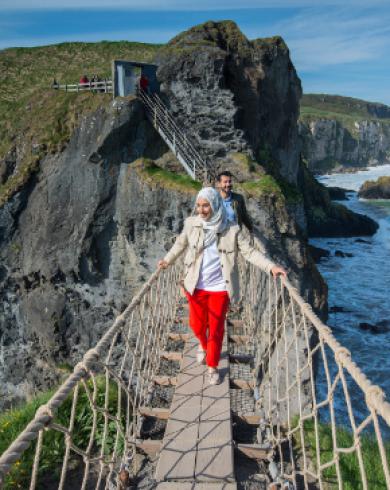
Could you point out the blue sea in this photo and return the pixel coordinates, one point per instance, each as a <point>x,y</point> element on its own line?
<point>359,286</point>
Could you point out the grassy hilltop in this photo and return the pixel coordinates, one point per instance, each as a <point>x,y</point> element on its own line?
<point>345,110</point>
<point>38,120</point>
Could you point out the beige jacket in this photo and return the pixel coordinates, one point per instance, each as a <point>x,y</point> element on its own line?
<point>229,243</point>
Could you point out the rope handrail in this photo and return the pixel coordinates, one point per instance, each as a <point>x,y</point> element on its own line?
<point>375,394</point>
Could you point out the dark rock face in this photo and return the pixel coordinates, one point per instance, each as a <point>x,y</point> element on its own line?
<point>318,253</point>
<point>337,193</point>
<point>234,95</point>
<point>75,244</point>
<point>340,253</point>
<point>328,219</point>
<point>379,189</point>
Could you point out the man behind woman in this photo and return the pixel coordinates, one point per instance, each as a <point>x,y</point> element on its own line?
<point>211,279</point>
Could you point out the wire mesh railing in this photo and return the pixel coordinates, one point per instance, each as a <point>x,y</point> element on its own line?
<point>328,424</point>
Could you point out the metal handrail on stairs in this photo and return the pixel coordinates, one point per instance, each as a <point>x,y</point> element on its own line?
<point>179,143</point>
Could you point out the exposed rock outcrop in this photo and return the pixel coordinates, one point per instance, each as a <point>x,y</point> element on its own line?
<point>376,189</point>
<point>234,95</point>
<point>325,218</point>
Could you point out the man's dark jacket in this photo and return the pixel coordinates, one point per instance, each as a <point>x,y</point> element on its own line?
<point>239,207</point>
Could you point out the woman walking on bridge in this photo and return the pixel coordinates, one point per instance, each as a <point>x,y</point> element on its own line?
<point>211,272</point>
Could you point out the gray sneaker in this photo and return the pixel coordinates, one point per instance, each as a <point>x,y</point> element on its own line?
<point>214,378</point>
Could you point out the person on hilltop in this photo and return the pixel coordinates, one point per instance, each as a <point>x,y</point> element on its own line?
<point>144,83</point>
<point>212,244</point>
<point>83,81</point>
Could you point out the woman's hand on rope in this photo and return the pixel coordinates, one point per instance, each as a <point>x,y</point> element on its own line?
<point>162,264</point>
<point>278,271</point>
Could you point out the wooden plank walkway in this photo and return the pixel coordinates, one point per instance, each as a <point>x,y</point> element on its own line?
<point>197,449</point>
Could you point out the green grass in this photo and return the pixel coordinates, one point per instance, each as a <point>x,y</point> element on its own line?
<point>12,422</point>
<point>154,174</point>
<point>344,110</point>
<point>349,465</point>
<point>336,104</point>
<point>268,185</point>
<point>259,187</point>
<point>33,115</point>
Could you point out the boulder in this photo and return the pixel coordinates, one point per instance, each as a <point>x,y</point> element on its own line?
<point>376,189</point>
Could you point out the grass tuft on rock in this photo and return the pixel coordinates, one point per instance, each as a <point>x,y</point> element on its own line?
<point>155,175</point>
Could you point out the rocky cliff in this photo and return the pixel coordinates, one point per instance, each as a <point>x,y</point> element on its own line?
<point>239,100</point>
<point>87,228</point>
<point>343,133</point>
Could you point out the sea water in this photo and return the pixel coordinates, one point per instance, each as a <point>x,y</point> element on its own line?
<point>360,285</point>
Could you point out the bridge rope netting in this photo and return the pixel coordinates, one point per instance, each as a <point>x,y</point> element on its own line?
<point>327,424</point>
<point>325,420</point>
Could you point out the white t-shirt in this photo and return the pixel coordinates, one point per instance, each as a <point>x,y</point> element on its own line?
<point>210,274</point>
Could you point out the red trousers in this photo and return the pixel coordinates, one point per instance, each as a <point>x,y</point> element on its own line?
<point>207,321</point>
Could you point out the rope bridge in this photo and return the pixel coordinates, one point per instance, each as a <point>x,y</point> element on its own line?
<point>324,424</point>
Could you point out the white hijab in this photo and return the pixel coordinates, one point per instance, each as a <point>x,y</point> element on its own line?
<point>218,221</point>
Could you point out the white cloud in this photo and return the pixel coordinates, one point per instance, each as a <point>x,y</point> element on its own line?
<point>181,5</point>
<point>319,38</point>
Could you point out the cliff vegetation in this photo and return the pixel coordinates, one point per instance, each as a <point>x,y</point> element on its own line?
<point>37,120</point>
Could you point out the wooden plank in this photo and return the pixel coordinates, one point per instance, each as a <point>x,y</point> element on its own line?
<point>179,336</point>
<point>178,453</point>
<point>249,418</point>
<point>157,412</point>
<point>255,451</point>
<point>241,358</point>
<point>149,446</point>
<point>196,486</point>
<point>243,384</point>
<point>215,447</point>
<point>165,380</point>
<point>239,339</point>
<point>235,323</point>
<point>171,355</point>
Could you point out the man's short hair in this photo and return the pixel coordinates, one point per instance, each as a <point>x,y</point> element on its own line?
<point>225,173</point>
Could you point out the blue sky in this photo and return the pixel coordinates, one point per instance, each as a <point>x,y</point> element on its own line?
<point>337,47</point>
